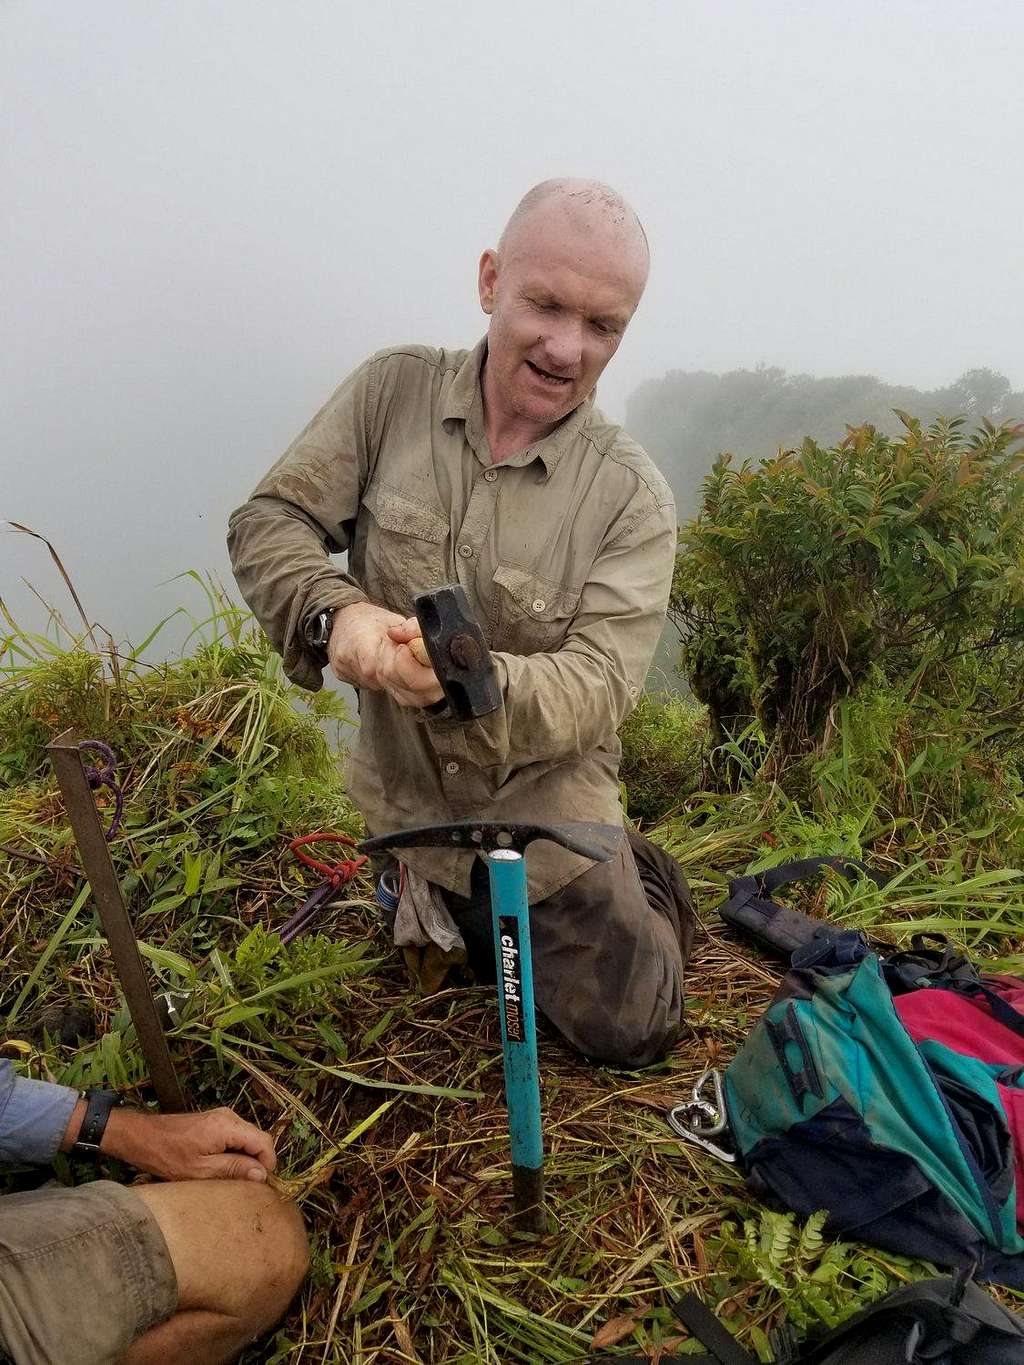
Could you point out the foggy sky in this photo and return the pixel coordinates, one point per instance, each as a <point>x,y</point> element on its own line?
<point>210,212</point>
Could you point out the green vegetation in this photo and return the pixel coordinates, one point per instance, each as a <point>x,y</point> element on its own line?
<point>664,756</point>
<point>386,1106</point>
<point>900,559</point>
<point>824,1281</point>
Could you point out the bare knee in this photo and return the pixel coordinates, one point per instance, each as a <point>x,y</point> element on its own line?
<point>283,1271</point>
<point>238,1248</point>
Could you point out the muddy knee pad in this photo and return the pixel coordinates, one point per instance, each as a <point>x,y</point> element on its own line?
<point>608,966</point>
<point>629,1047</point>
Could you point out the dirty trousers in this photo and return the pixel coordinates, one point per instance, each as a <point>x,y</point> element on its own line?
<point>609,951</point>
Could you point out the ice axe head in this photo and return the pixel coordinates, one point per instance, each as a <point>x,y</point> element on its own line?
<point>458,652</point>
<point>588,839</point>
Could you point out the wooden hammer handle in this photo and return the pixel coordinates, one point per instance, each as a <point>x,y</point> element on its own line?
<point>419,650</point>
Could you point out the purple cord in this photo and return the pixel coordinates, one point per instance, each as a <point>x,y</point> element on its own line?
<point>105,777</point>
<point>300,921</point>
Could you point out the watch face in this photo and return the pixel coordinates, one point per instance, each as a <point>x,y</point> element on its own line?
<point>318,629</point>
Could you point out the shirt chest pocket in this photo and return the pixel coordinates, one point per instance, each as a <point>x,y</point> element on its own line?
<point>530,615</point>
<point>404,548</point>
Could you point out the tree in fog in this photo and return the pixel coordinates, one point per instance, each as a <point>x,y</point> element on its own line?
<point>688,417</point>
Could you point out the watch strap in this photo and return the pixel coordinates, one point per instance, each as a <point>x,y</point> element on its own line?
<point>99,1103</point>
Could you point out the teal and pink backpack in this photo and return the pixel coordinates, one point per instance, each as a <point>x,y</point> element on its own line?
<point>886,1087</point>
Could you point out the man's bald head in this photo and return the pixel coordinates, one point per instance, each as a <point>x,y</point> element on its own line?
<point>588,207</point>
<point>561,287</point>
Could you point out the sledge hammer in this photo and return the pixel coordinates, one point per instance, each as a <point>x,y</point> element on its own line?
<point>454,646</point>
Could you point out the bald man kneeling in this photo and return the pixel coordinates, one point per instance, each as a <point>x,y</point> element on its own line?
<point>493,468</point>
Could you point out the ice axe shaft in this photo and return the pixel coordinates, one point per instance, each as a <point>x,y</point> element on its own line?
<point>66,757</point>
<point>510,917</point>
<point>504,844</point>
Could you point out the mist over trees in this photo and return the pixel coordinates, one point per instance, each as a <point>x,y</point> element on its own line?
<point>688,417</point>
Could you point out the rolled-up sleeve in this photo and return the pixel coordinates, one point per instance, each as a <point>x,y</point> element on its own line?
<point>34,1116</point>
<point>300,514</point>
<point>564,704</point>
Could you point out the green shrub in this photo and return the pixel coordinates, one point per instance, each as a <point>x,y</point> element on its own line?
<point>799,578</point>
<point>922,765</point>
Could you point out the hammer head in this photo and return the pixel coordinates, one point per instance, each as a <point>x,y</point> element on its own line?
<point>458,651</point>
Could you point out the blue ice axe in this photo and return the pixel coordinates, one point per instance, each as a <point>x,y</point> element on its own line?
<point>504,846</point>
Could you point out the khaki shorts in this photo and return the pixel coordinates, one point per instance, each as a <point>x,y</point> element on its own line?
<point>83,1272</point>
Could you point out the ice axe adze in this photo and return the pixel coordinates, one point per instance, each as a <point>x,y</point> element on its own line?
<point>504,846</point>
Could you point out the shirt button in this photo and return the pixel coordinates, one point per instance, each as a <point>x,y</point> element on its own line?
<point>466,551</point>
<point>539,604</point>
<point>490,475</point>
<point>451,768</point>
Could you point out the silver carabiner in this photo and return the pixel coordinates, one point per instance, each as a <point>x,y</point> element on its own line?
<point>699,1119</point>
<point>716,1103</point>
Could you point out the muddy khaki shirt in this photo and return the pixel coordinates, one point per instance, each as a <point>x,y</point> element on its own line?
<point>565,551</point>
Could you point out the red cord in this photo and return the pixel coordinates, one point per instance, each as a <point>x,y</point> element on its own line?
<point>338,873</point>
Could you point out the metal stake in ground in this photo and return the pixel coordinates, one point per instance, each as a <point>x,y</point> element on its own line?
<point>504,845</point>
<point>92,845</point>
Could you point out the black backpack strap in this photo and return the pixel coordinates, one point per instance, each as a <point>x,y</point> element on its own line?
<point>701,1323</point>
<point>947,1314</point>
<point>772,878</point>
<point>750,908</point>
<point>1002,1010</point>
<point>931,960</point>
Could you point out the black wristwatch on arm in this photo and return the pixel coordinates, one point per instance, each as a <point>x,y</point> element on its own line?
<point>99,1103</point>
<point>317,629</point>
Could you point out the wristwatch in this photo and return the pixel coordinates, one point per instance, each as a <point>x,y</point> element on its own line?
<point>317,629</point>
<point>97,1110</point>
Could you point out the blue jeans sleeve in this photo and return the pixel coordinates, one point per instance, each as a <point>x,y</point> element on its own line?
<point>34,1116</point>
